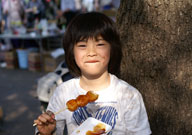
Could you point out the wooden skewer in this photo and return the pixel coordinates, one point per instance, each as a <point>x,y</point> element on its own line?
<point>63,109</point>
<point>60,111</point>
<point>35,124</point>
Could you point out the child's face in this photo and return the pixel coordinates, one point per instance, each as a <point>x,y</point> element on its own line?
<point>92,56</point>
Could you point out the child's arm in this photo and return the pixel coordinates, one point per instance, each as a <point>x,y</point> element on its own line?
<point>57,103</point>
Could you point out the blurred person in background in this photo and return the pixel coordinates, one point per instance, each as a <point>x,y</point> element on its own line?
<point>51,9</point>
<point>34,10</point>
<point>13,12</point>
<point>13,15</point>
<point>67,10</point>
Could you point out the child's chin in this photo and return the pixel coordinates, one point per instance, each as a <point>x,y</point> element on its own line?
<point>93,74</point>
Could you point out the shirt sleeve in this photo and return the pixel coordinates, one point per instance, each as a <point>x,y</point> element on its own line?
<point>55,104</point>
<point>136,118</point>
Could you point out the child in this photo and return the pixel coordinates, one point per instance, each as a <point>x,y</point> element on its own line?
<point>93,55</point>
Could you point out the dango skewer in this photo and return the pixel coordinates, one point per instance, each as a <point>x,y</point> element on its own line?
<point>80,101</point>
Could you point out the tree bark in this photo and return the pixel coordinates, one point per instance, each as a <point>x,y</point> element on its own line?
<point>157,60</point>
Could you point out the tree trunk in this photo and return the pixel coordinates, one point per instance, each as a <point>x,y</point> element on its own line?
<point>157,60</point>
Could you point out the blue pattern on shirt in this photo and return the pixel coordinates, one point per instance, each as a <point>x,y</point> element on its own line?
<point>106,114</point>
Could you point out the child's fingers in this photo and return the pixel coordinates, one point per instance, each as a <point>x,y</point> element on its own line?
<point>43,118</point>
<point>51,114</point>
<point>37,122</point>
<point>48,117</point>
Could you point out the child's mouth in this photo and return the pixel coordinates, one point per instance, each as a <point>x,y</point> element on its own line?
<point>92,61</point>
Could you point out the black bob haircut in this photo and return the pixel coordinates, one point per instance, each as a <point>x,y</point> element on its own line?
<point>92,25</point>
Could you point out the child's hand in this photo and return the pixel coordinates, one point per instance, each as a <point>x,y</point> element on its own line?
<point>46,123</point>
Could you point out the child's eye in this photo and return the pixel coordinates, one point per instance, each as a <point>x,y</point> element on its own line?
<point>81,46</point>
<point>100,44</point>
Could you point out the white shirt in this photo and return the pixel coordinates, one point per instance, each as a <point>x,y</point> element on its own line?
<point>120,105</point>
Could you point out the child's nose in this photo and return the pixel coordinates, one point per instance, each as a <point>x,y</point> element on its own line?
<point>91,51</point>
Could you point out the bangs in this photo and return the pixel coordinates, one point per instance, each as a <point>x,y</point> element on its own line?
<point>89,26</point>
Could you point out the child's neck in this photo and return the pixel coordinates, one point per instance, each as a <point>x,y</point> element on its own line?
<point>95,83</point>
